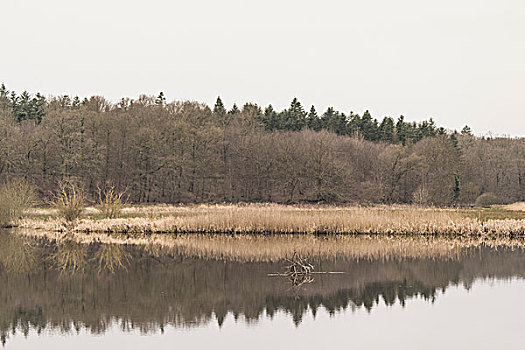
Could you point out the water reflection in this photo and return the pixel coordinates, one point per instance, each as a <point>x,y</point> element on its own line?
<point>68,286</point>
<point>70,256</point>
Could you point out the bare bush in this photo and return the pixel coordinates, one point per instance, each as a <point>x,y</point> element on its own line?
<point>16,196</point>
<point>69,200</point>
<point>111,202</point>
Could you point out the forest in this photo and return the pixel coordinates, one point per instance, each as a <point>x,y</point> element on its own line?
<point>187,152</point>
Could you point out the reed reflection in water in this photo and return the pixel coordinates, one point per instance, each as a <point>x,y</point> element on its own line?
<point>67,286</point>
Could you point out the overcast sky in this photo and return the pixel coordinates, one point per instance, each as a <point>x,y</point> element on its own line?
<point>458,61</point>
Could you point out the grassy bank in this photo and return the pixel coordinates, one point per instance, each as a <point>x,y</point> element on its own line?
<point>283,219</point>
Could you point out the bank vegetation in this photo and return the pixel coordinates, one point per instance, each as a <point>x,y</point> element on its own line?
<point>272,219</point>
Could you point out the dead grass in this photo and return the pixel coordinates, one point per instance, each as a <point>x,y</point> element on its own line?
<point>281,219</point>
<point>518,206</point>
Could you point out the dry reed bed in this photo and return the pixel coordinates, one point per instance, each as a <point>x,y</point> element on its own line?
<point>279,219</point>
<point>251,248</point>
<point>518,206</point>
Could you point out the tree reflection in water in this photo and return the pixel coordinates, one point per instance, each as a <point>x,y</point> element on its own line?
<point>68,286</point>
<point>18,254</point>
<point>70,256</point>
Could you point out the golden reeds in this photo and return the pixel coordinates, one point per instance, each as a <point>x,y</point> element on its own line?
<point>282,219</point>
<point>518,206</point>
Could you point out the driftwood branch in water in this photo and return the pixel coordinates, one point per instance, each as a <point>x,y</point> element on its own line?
<point>300,266</point>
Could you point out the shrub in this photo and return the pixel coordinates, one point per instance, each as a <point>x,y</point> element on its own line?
<point>111,202</point>
<point>16,196</point>
<point>69,200</point>
<point>486,200</point>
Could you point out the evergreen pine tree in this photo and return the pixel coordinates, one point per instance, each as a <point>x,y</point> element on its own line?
<point>235,110</point>
<point>312,120</point>
<point>36,108</point>
<point>401,131</point>
<point>161,99</point>
<point>386,130</point>
<point>270,119</point>
<point>334,121</point>
<point>23,107</point>
<point>222,116</point>
<point>352,125</point>
<point>4,93</point>
<point>219,109</point>
<point>294,118</point>
<point>5,103</point>
<point>466,130</point>
<point>426,129</point>
<point>368,127</point>
<point>76,102</point>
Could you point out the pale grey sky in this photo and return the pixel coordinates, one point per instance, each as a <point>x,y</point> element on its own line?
<point>458,61</point>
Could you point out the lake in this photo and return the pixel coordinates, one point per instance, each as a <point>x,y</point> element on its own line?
<point>63,295</point>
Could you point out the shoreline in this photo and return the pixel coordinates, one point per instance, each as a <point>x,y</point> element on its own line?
<point>275,219</point>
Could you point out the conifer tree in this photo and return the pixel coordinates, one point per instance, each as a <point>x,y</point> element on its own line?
<point>38,107</point>
<point>219,109</point>
<point>313,121</point>
<point>161,99</point>
<point>368,127</point>
<point>76,102</point>
<point>334,121</point>
<point>426,129</point>
<point>466,130</point>
<point>22,107</point>
<point>352,125</point>
<point>235,110</point>
<point>386,130</point>
<point>4,98</point>
<point>4,93</point>
<point>401,131</point>
<point>221,115</point>
<point>294,118</point>
<point>270,119</point>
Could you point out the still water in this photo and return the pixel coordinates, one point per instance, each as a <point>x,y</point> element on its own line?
<point>69,295</point>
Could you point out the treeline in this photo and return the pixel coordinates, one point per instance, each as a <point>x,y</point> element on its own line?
<point>188,152</point>
<point>294,118</point>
